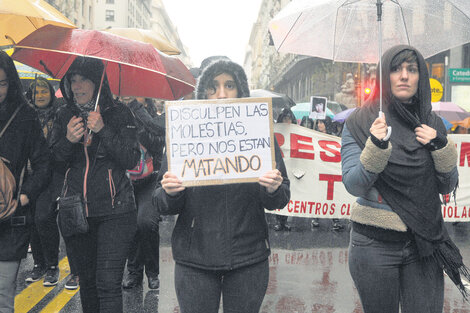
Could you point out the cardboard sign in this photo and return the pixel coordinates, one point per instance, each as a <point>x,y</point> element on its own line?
<point>212,142</point>
<point>313,163</point>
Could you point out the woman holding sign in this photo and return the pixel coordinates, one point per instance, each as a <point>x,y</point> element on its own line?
<point>399,245</point>
<point>220,242</point>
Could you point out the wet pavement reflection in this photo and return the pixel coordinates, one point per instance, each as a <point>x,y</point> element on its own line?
<point>308,273</point>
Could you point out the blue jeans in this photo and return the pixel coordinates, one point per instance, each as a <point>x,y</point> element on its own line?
<point>242,289</point>
<point>100,256</point>
<point>8,274</point>
<point>390,274</point>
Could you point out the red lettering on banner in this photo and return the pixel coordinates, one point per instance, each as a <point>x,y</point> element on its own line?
<point>464,152</point>
<point>325,145</point>
<point>296,206</point>
<point>295,146</point>
<point>343,209</point>
<point>303,207</point>
<point>464,212</point>
<point>317,208</point>
<point>280,141</point>
<point>331,179</point>
<point>288,206</point>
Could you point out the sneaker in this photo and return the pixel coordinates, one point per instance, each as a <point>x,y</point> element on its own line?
<point>315,222</point>
<point>72,283</point>
<point>36,274</point>
<point>337,226</point>
<point>52,276</point>
<point>132,280</point>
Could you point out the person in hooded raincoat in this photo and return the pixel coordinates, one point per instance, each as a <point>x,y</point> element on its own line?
<point>22,142</point>
<point>98,147</point>
<point>399,245</point>
<point>220,241</point>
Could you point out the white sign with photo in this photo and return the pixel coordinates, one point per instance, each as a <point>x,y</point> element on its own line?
<point>317,108</point>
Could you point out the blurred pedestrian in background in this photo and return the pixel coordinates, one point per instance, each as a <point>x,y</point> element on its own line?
<point>326,126</point>
<point>399,245</point>
<point>144,251</point>
<point>288,117</point>
<point>215,258</point>
<point>97,163</point>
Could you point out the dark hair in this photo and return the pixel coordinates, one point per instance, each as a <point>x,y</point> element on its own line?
<point>306,120</point>
<point>15,89</point>
<point>286,112</point>
<point>329,127</point>
<point>404,56</point>
<point>150,107</point>
<point>40,82</point>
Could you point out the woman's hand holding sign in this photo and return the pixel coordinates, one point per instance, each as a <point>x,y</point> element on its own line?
<point>171,184</point>
<point>271,180</point>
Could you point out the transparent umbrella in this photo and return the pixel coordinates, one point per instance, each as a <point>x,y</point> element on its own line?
<point>351,30</point>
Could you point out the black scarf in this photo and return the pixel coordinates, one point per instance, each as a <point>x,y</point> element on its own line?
<point>409,183</point>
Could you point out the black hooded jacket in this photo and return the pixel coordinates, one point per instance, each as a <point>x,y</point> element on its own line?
<point>113,150</point>
<point>21,143</point>
<point>222,227</point>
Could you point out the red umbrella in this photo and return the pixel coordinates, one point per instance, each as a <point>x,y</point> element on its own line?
<point>133,68</point>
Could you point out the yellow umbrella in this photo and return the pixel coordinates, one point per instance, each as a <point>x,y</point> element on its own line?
<point>19,18</point>
<point>146,35</point>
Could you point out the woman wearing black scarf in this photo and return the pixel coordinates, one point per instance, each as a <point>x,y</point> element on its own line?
<point>399,245</point>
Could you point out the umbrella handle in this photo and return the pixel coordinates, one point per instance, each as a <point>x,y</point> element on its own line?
<point>389,128</point>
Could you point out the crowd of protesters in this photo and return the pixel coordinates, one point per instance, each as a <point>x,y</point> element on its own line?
<point>89,143</point>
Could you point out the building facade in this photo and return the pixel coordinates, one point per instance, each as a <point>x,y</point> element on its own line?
<point>79,12</point>
<point>301,77</point>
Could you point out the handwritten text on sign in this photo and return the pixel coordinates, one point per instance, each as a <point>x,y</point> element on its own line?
<point>219,141</point>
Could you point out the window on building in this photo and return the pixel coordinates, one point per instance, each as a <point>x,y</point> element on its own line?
<point>466,56</point>
<point>90,13</point>
<point>110,15</point>
<point>110,1</point>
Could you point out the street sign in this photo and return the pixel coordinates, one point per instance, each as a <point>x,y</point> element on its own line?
<point>436,90</point>
<point>459,75</point>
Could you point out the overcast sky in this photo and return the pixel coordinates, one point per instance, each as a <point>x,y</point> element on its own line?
<point>214,27</point>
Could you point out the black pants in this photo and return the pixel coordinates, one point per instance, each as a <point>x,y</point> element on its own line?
<point>146,245</point>
<point>100,257</point>
<point>242,289</point>
<point>45,236</point>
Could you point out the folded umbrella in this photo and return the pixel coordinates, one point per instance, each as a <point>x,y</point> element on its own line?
<point>133,68</point>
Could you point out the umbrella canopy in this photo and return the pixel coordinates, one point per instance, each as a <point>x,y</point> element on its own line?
<point>347,30</point>
<point>450,111</point>
<point>146,35</point>
<point>303,109</point>
<point>342,116</point>
<point>19,18</point>
<point>280,101</point>
<point>133,68</point>
<point>448,125</point>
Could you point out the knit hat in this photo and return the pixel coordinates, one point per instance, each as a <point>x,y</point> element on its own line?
<point>220,66</point>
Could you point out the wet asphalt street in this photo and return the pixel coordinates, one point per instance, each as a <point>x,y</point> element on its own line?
<point>308,273</point>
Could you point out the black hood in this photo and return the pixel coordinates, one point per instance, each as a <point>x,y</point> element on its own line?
<point>218,67</point>
<point>92,69</point>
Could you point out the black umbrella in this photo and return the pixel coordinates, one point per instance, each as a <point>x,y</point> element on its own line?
<point>280,101</point>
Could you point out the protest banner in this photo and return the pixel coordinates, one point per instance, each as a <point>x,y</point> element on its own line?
<point>211,142</point>
<point>313,162</point>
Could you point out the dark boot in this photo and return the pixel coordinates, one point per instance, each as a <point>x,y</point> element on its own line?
<point>132,280</point>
